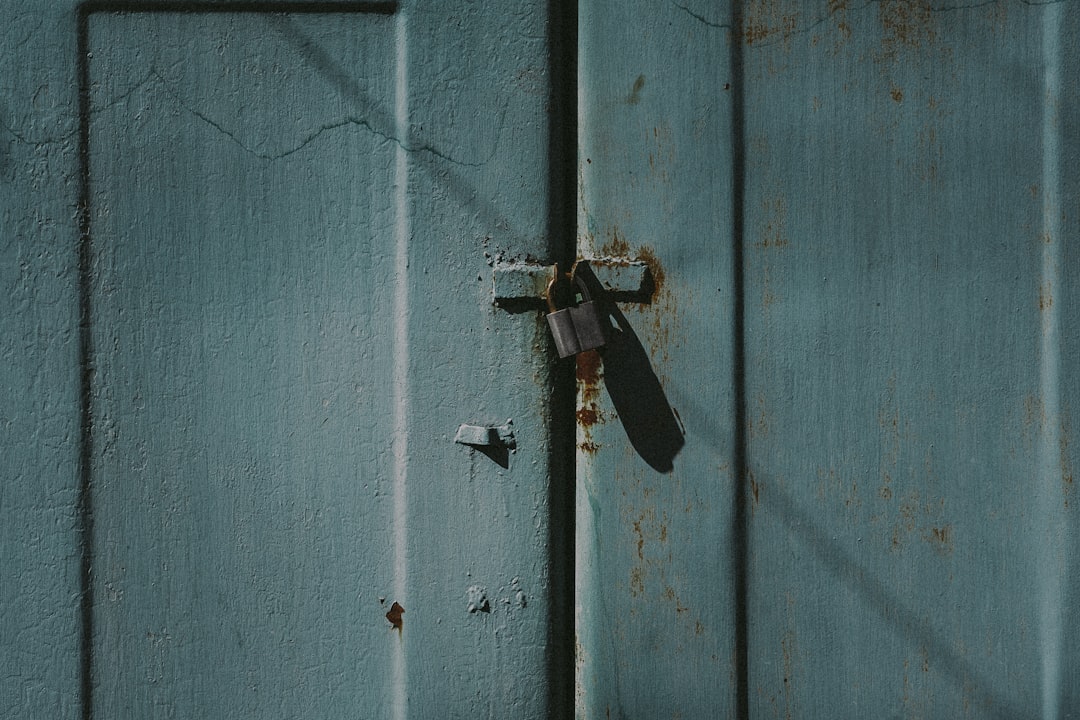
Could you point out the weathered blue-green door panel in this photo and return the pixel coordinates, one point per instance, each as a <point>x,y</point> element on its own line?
<point>39,380</point>
<point>291,316</point>
<point>908,531</point>
<point>906,178</point>
<point>655,570</point>
<point>478,611</point>
<point>242,489</point>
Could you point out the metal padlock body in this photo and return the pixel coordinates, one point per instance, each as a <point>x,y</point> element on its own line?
<point>576,328</point>
<point>561,323</point>
<point>588,325</point>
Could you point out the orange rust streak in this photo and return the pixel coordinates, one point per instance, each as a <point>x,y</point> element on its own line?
<point>587,416</point>
<point>588,367</point>
<point>394,616</point>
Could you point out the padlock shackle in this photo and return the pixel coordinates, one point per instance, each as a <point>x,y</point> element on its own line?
<point>580,282</point>
<point>575,279</point>
<point>549,293</point>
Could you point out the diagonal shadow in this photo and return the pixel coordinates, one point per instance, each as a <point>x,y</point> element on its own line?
<point>907,623</point>
<point>559,181</point>
<point>634,388</point>
<point>382,122</point>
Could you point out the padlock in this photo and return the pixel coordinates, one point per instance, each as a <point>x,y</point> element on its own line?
<point>576,328</point>
<point>588,323</point>
<point>561,323</point>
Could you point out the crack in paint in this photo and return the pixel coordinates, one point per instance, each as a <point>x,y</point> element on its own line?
<point>312,137</point>
<point>703,19</point>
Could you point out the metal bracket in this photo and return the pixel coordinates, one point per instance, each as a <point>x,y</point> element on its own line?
<point>525,284</point>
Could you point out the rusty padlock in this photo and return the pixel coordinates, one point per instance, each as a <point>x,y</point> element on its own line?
<point>577,327</point>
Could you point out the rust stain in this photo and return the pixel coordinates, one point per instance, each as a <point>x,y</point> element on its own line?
<point>661,310</point>
<point>1046,296</point>
<point>941,539</point>
<point>635,92</point>
<point>616,246</point>
<point>838,11</point>
<point>588,367</point>
<point>767,18</point>
<point>759,427</point>
<point>588,416</point>
<point>637,581</point>
<point>1065,462</point>
<point>897,94</point>
<point>906,23</point>
<point>589,372</point>
<point>755,489</point>
<point>1034,420</point>
<point>656,270</point>
<point>394,615</point>
<point>774,234</point>
<point>640,540</point>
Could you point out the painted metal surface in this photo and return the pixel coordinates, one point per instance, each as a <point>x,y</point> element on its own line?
<point>655,599</point>
<point>824,461</point>
<point>898,182</point>
<point>287,315</point>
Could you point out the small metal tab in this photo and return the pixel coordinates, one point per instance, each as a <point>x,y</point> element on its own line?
<point>487,435</point>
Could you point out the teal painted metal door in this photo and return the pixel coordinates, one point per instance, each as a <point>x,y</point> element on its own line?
<point>248,503</point>
<point>863,221</point>
<point>824,464</point>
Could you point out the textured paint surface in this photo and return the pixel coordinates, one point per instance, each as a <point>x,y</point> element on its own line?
<point>39,378</point>
<point>655,597</point>
<point>289,315</point>
<point>908,184</point>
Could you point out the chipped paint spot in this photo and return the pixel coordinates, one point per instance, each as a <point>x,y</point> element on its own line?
<point>477,600</point>
<point>897,94</point>
<point>394,615</point>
